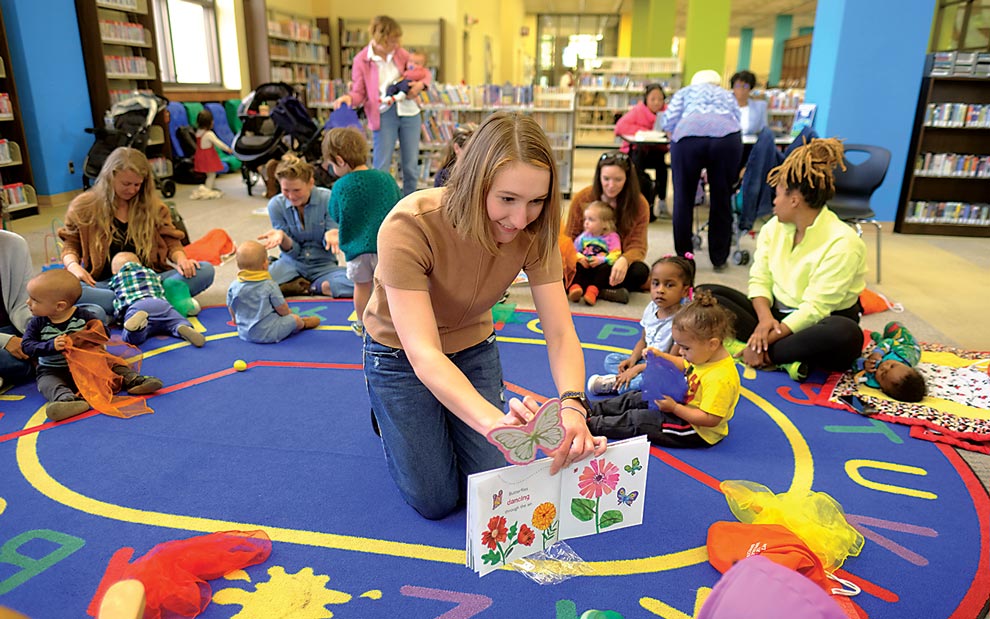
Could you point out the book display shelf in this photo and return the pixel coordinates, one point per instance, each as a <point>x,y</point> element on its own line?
<point>17,197</point>
<point>782,103</point>
<point>422,35</point>
<point>609,86</point>
<point>946,187</point>
<point>119,53</point>
<point>445,106</point>
<point>299,55</point>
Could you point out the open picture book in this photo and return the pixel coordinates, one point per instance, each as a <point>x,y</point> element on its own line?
<point>517,511</point>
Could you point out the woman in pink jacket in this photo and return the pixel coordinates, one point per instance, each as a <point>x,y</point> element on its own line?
<point>374,69</point>
<point>642,117</point>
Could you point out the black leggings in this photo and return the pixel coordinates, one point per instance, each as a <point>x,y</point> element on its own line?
<point>833,343</point>
<point>636,275</point>
<point>593,276</point>
<point>629,415</point>
<point>651,159</point>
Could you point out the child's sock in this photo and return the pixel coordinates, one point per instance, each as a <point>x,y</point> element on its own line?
<point>211,179</point>
<point>590,295</point>
<point>574,293</point>
<point>137,321</point>
<point>63,409</point>
<point>191,335</point>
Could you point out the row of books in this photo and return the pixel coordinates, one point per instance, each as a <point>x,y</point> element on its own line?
<point>5,152</point>
<point>967,64</point>
<point>122,30</point>
<point>957,115</point>
<point>126,65</point>
<point>495,95</point>
<point>958,213</point>
<point>354,36</point>
<point>299,74</point>
<point>120,95</point>
<point>294,29</point>
<point>324,91</point>
<point>14,194</point>
<point>302,52</point>
<point>953,165</point>
<point>642,66</point>
<point>5,107</point>
<point>778,99</point>
<point>624,82</point>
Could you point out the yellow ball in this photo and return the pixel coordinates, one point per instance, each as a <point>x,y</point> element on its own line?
<point>239,365</point>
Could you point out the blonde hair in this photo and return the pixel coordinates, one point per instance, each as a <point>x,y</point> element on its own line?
<point>293,166</point>
<point>502,139</point>
<point>808,169</point>
<point>142,213</point>
<point>252,256</point>
<point>605,212</point>
<point>382,28</point>
<point>705,318</point>
<point>347,143</point>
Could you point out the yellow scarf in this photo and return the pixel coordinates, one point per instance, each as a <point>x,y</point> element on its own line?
<point>247,275</point>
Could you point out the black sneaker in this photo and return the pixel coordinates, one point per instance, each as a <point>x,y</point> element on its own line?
<point>615,295</point>
<point>136,384</point>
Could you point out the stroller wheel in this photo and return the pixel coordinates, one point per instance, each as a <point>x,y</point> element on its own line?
<point>697,241</point>
<point>168,188</point>
<point>740,257</point>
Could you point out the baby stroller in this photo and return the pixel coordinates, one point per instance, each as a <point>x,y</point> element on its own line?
<point>132,119</point>
<point>267,131</point>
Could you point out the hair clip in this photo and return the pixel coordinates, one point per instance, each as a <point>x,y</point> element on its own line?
<point>689,255</point>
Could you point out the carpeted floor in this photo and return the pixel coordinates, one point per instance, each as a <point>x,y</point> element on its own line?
<point>286,446</point>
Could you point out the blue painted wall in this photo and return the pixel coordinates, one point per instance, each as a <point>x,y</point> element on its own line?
<point>46,55</point>
<point>865,75</point>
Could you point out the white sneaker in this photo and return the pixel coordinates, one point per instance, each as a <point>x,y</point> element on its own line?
<point>137,321</point>
<point>194,308</point>
<point>602,384</point>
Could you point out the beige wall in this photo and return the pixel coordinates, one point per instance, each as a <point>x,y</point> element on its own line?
<point>759,59</point>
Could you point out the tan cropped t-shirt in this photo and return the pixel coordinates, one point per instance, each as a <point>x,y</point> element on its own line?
<point>418,249</point>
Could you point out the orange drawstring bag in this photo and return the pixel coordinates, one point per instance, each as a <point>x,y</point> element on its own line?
<point>91,366</point>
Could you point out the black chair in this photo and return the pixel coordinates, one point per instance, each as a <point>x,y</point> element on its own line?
<point>855,187</point>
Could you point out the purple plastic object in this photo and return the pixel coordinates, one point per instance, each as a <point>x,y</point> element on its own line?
<point>661,378</point>
<point>343,116</point>
<point>758,588</point>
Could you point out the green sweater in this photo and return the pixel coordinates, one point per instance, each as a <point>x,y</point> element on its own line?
<point>359,202</point>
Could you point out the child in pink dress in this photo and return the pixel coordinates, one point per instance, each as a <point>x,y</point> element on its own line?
<point>206,160</point>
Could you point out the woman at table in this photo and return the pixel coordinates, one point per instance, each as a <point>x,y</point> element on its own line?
<point>616,184</point>
<point>643,117</point>
<point>752,112</point>
<point>702,122</point>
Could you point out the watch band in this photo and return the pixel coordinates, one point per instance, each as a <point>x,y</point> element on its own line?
<point>575,395</point>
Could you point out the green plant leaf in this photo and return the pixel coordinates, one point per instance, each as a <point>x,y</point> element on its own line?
<point>491,557</point>
<point>583,509</point>
<point>612,516</point>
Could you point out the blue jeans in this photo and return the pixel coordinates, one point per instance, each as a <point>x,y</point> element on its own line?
<point>13,369</point>
<point>102,296</point>
<point>286,269</point>
<point>406,130</point>
<point>612,361</point>
<point>429,450</point>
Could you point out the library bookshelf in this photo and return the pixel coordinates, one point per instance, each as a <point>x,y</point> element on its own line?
<point>17,197</point>
<point>299,55</point>
<point>946,187</point>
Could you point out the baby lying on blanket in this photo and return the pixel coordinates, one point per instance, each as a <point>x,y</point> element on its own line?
<point>891,365</point>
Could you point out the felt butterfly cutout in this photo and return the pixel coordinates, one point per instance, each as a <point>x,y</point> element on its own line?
<point>496,499</point>
<point>519,443</point>
<point>633,467</point>
<point>627,498</point>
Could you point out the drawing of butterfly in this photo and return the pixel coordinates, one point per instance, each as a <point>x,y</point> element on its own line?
<point>496,499</point>
<point>633,467</point>
<point>519,443</point>
<point>627,498</point>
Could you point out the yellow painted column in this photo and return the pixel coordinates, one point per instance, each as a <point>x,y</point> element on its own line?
<point>706,35</point>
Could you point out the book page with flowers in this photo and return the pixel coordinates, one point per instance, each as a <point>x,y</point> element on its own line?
<point>517,511</point>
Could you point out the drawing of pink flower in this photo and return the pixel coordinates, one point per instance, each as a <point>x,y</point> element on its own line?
<point>598,478</point>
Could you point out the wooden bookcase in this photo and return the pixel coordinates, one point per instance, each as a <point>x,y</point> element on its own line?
<point>15,165</point>
<point>794,66</point>
<point>954,198</point>
<point>422,35</point>
<point>298,50</point>
<point>120,56</point>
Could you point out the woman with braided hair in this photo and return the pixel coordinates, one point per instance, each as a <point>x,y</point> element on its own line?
<point>808,271</point>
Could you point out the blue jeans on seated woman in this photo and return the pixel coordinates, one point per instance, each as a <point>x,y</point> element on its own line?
<point>102,296</point>
<point>12,369</point>
<point>612,361</point>
<point>429,450</point>
<point>286,269</point>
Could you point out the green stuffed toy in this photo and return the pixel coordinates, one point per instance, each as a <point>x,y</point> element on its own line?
<point>177,294</point>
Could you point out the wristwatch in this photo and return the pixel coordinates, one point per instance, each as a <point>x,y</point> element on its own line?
<point>580,397</point>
